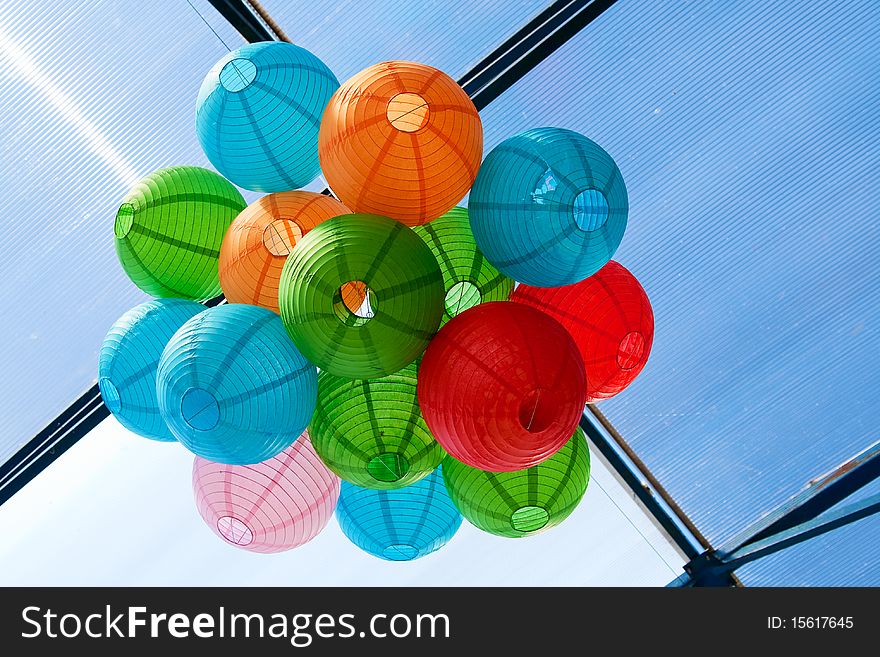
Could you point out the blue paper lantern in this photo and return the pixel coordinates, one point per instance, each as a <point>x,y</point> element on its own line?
<point>548,207</point>
<point>128,360</point>
<point>232,386</point>
<point>259,112</point>
<point>402,524</point>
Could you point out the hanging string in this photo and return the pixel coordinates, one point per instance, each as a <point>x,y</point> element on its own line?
<point>210,27</point>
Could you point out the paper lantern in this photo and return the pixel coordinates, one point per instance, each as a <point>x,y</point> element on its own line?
<point>372,433</point>
<point>524,502</point>
<point>169,228</point>
<point>502,386</point>
<point>549,207</point>
<point>402,140</point>
<point>260,239</point>
<point>399,525</point>
<point>128,360</point>
<point>272,506</point>
<point>610,318</point>
<point>404,296</point>
<point>258,114</point>
<point>468,277</point>
<point>233,388</point>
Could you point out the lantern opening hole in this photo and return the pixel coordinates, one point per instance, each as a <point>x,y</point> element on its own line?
<point>408,112</point>
<point>461,296</point>
<point>124,220</point>
<point>630,350</point>
<point>281,236</point>
<point>199,409</point>
<point>400,552</point>
<point>237,74</point>
<point>388,467</point>
<point>590,210</point>
<point>110,393</point>
<point>529,518</point>
<point>355,303</point>
<point>235,531</point>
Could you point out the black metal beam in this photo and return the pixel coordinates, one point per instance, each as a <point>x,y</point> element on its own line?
<point>528,47</point>
<point>243,20</point>
<point>640,486</point>
<point>803,516</point>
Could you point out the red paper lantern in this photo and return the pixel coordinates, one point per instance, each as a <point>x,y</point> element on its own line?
<point>502,386</point>
<point>610,318</point>
<point>271,506</point>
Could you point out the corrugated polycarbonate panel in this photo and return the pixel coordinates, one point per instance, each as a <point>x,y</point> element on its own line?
<point>92,97</point>
<point>118,510</point>
<point>452,35</point>
<point>748,137</point>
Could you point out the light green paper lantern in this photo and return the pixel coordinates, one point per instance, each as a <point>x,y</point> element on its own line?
<point>523,502</point>
<point>169,228</point>
<point>371,433</point>
<point>468,277</point>
<point>401,289</point>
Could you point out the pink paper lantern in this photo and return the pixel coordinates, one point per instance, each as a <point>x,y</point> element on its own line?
<point>272,506</point>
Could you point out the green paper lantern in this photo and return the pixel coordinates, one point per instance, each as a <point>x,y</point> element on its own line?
<point>468,277</point>
<point>371,433</point>
<point>169,228</point>
<point>523,502</point>
<point>399,287</point>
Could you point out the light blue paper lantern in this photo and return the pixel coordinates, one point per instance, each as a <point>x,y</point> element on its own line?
<point>128,360</point>
<point>548,207</point>
<point>402,524</point>
<point>258,114</point>
<point>233,388</point>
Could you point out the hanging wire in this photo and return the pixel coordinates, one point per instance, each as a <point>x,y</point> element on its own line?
<point>210,27</point>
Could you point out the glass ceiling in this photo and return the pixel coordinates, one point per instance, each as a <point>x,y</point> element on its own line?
<point>748,138</point>
<point>747,134</point>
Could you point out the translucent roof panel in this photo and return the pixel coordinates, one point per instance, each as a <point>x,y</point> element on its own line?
<point>83,114</point>
<point>118,510</point>
<point>748,137</point>
<point>452,35</point>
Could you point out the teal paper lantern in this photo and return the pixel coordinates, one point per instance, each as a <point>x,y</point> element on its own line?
<point>129,358</point>
<point>259,112</point>
<point>232,386</point>
<point>402,524</point>
<point>548,207</point>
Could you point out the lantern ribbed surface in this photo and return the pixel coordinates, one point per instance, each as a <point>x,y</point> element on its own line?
<point>501,386</point>
<point>260,239</point>
<point>401,139</point>
<point>399,525</point>
<point>468,277</point>
<point>233,388</point>
<point>610,318</point>
<point>169,228</point>
<point>258,114</point>
<point>404,301</point>
<point>129,358</point>
<point>372,433</point>
<point>549,207</point>
<point>272,506</point>
<point>524,502</point>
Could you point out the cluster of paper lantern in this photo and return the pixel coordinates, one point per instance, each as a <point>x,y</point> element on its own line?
<point>376,355</point>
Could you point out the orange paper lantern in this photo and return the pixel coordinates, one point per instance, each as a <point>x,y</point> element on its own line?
<point>260,239</point>
<point>402,140</point>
